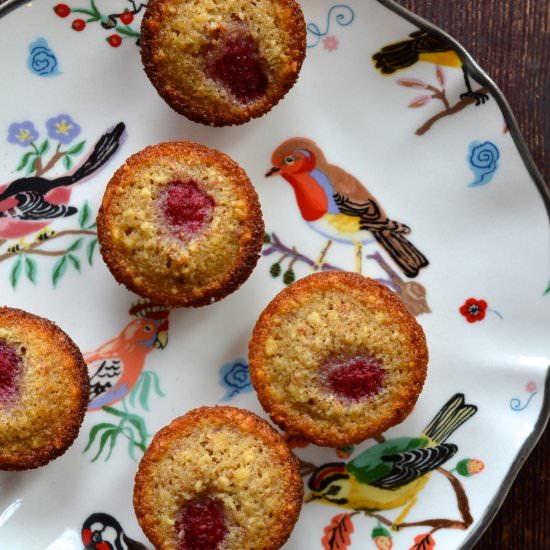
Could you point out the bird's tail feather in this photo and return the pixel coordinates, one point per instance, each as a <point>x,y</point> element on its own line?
<point>451,416</point>
<point>104,149</point>
<point>395,57</point>
<point>403,252</point>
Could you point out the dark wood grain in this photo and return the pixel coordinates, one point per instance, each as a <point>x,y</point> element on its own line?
<point>510,39</point>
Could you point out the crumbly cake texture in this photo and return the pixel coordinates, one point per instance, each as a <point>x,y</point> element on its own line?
<point>142,251</point>
<point>178,38</point>
<point>43,420</point>
<point>336,315</point>
<point>228,455</point>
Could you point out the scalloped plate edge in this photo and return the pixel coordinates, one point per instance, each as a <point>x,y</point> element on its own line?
<point>538,429</point>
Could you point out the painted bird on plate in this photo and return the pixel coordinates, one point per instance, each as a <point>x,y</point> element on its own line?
<point>103,532</point>
<point>339,207</point>
<point>29,204</point>
<point>114,368</point>
<point>423,46</point>
<point>390,474</point>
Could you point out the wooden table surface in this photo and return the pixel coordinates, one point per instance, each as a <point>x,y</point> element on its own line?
<point>510,40</point>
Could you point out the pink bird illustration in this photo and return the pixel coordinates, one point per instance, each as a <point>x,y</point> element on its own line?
<point>114,368</point>
<point>339,207</point>
<point>31,203</point>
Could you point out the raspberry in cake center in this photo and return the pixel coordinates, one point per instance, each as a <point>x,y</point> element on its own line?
<point>201,525</point>
<point>235,62</point>
<point>355,378</point>
<point>186,208</point>
<point>10,373</point>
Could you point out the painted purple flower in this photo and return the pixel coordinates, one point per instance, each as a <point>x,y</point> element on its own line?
<point>22,133</point>
<point>62,128</point>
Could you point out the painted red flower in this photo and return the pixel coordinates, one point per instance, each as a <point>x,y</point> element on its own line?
<point>114,40</point>
<point>474,310</point>
<point>126,17</point>
<point>531,387</point>
<point>62,10</point>
<point>79,25</point>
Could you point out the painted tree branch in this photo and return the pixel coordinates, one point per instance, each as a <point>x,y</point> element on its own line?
<point>439,94</point>
<point>457,107</point>
<point>34,247</point>
<point>49,165</point>
<point>276,245</point>
<point>440,523</point>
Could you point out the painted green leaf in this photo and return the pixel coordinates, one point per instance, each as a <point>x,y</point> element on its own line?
<point>84,215</point>
<point>67,162</point>
<point>144,393</point>
<point>94,431</point>
<point>31,268</point>
<point>75,261</point>
<point>156,384</point>
<point>59,270</point>
<point>76,245</point>
<point>32,165</point>
<point>77,148</point>
<point>112,434</point>
<point>547,291</point>
<point>44,147</point>
<point>15,273</point>
<point>134,419</point>
<point>128,31</point>
<point>24,160</point>
<point>90,248</point>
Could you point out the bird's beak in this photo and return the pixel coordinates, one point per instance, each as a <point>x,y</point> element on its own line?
<point>161,340</point>
<point>272,171</point>
<point>311,497</point>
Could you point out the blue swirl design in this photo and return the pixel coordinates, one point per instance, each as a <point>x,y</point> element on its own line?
<point>516,405</point>
<point>42,61</point>
<point>343,15</point>
<point>235,378</point>
<point>483,160</point>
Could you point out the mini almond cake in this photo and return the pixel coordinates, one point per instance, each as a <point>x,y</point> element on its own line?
<point>336,358</point>
<point>44,390</point>
<point>218,478</point>
<point>223,62</point>
<point>180,224</point>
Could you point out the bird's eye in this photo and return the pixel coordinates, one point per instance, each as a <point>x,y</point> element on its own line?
<point>148,328</point>
<point>290,159</point>
<point>334,490</point>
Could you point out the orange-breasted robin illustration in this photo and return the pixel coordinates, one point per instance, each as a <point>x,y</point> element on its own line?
<point>390,474</point>
<point>423,46</point>
<point>339,207</point>
<point>114,368</point>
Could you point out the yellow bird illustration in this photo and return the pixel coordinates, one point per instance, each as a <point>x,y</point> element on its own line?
<point>390,474</point>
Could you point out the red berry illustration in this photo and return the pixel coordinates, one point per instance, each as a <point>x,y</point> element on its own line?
<point>62,10</point>
<point>127,17</point>
<point>79,25</point>
<point>114,40</point>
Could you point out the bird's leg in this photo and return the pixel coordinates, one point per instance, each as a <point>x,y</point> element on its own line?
<point>399,519</point>
<point>358,251</point>
<point>322,256</point>
<point>479,97</point>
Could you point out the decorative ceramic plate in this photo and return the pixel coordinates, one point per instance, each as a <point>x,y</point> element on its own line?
<point>406,113</point>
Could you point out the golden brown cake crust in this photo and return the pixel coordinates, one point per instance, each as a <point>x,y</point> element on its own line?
<point>210,420</point>
<point>37,330</point>
<point>290,17</point>
<point>249,240</point>
<point>370,295</point>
